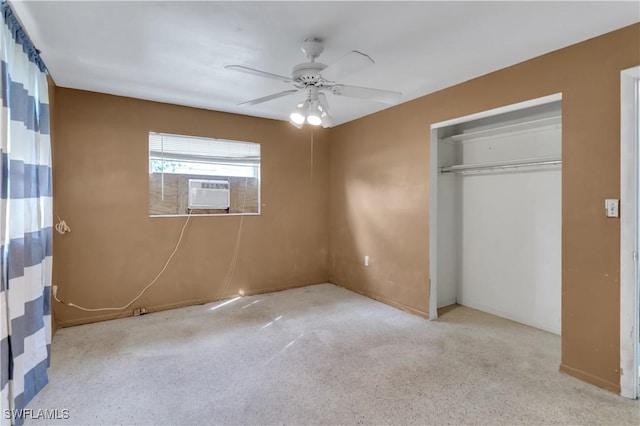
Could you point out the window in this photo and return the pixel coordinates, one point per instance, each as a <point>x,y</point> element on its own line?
<point>193,175</point>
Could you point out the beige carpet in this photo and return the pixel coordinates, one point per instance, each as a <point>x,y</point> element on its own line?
<point>317,355</point>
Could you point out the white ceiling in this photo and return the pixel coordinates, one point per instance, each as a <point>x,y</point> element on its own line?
<point>176,51</point>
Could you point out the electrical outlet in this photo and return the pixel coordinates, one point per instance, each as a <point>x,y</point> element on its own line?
<point>139,311</point>
<point>612,207</point>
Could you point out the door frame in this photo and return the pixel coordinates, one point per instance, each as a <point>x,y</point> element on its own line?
<point>434,173</point>
<point>629,233</point>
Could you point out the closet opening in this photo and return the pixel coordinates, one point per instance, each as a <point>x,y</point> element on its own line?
<point>496,213</point>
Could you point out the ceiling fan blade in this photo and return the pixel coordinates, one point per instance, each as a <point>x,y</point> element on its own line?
<point>270,97</point>
<point>350,63</point>
<point>259,73</point>
<point>384,96</point>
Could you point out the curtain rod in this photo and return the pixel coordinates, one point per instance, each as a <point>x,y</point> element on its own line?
<point>20,35</point>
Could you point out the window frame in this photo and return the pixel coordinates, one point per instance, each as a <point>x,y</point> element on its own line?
<point>256,175</point>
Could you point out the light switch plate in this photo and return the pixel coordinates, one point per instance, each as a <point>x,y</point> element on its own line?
<point>612,207</point>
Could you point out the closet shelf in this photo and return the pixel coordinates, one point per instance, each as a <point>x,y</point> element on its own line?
<point>525,162</point>
<point>537,124</point>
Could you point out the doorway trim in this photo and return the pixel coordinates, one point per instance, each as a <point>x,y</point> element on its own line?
<point>629,277</point>
<point>434,174</point>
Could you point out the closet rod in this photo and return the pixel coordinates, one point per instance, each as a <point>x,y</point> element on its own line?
<point>528,162</point>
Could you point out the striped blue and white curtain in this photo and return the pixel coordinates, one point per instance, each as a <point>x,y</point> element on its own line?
<point>26,216</point>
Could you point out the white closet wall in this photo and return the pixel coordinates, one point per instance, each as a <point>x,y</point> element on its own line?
<point>449,217</point>
<point>499,230</point>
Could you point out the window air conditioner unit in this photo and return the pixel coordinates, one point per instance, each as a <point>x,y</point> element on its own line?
<point>208,194</point>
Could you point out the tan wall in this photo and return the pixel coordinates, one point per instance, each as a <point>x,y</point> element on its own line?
<point>380,192</point>
<point>101,177</point>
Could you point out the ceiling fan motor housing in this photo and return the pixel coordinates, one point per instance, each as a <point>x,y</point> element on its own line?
<point>307,74</point>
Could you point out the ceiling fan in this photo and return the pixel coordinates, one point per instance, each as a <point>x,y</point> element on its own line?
<point>315,78</point>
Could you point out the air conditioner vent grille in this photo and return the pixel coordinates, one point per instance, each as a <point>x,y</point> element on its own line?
<point>217,185</point>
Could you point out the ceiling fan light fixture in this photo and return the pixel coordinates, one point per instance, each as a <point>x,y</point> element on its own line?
<point>294,123</point>
<point>314,117</point>
<point>297,118</point>
<point>327,120</point>
<point>314,120</point>
<point>299,115</point>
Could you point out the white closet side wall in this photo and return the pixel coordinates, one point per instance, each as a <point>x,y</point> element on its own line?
<point>449,216</point>
<point>510,252</point>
